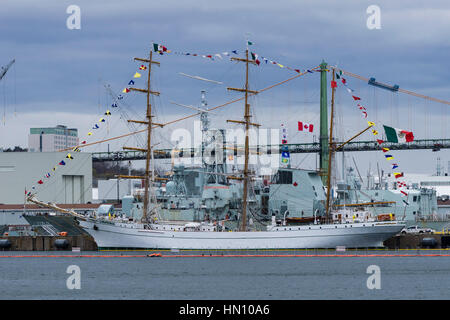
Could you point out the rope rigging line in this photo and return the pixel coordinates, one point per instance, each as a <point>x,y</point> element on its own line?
<point>193,115</point>
<point>399,89</point>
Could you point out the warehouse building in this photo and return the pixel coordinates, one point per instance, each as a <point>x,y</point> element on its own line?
<point>69,183</point>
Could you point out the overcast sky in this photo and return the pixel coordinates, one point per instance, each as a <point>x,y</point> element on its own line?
<point>59,73</point>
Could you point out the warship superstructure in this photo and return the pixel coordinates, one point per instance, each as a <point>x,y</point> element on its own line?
<point>381,191</point>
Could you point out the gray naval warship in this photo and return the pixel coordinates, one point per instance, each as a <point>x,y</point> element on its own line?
<point>381,193</point>
<point>205,193</point>
<point>291,194</point>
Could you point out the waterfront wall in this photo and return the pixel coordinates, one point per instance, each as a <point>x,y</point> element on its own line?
<point>86,242</point>
<point>416,241</point>
<point>47,243</point>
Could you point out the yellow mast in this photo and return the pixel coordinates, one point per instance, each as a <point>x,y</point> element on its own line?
<point>247,124</point>
<point>149,123</point>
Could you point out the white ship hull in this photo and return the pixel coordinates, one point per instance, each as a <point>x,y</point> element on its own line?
<point>352,235</point>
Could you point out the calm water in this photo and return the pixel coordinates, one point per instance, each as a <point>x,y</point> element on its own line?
<point>225,278</point>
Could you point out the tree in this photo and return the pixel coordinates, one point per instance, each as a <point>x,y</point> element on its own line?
<point>16,149</point>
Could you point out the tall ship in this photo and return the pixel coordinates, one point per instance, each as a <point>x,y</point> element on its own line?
<point>218,210</point>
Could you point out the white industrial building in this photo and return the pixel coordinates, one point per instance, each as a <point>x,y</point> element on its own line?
<point>69,183</point>
<point>52,139</point>
<point>114,189</point>
<point>439,183</point>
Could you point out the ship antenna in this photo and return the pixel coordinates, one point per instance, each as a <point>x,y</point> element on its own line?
<point>149,174</point>
<point>247,125</point>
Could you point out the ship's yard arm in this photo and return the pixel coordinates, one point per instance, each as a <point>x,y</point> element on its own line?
<point>53,206</point>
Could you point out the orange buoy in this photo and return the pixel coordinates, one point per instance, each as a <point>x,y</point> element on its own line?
<point>155,255</point>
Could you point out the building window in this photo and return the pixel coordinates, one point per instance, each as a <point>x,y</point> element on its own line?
<point>283,177</point>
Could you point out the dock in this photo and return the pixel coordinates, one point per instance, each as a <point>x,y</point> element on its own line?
<point>418,241</point>
<point>45,233</point>
<point>49,243</point>
<point>62,233</point>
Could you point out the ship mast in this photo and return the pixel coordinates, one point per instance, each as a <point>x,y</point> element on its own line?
<point>148,180</point>
<point>330,152</point>
<point>247,125</point>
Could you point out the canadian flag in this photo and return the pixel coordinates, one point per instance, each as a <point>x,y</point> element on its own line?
<point>302,126</point>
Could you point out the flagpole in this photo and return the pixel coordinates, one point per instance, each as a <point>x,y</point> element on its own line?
<point>25,201</point>
<point>246,40</point>
<point>404,211</point>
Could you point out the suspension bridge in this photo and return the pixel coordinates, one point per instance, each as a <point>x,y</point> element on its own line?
<point>352,146</point>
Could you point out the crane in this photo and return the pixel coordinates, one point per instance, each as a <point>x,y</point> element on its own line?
<point>5,69</point>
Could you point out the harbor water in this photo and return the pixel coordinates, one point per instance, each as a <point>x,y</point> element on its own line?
<point>249,277</point>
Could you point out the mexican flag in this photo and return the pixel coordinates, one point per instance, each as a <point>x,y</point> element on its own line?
<point>255,58</point>
<point>159,47</point>
<point>398,135</point>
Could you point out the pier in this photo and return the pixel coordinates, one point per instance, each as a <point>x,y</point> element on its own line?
<point>86,243</point>
<point>48,243</point>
